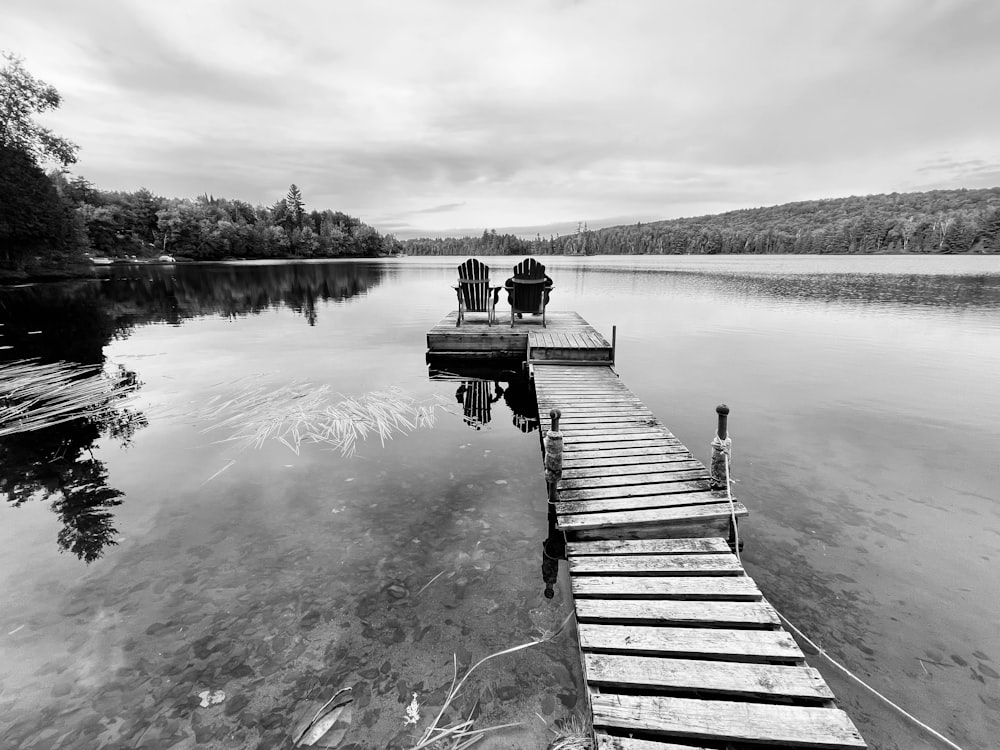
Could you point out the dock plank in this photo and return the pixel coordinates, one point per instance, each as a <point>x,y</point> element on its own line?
<point>732,588</point>
<point>678,612</point>
<point>585,456</point>
<point>636,490</point>
<point>797,726</point>
<point>606,741</point>
<point>729,678</point>
<point>634,503</point>
<point>652,516</point>
<point>722,643</point>
<point>678,474</point>
<point>697,546</point>
<point>691,565</point>
<point>634,470</point>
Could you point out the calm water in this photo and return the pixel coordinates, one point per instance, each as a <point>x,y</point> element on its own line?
<point>864,405</point>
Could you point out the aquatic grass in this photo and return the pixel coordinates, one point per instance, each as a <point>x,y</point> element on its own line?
<point>306,413</point>
<point>572,733</point>
<point>462,733</point>
<point>34,396</point>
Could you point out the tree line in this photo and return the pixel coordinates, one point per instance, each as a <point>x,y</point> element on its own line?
<point>936,221</point>
<point>54,218</point>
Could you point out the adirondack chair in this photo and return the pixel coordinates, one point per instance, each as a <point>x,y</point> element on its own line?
<point>528,289</point>
<point>474,291</point>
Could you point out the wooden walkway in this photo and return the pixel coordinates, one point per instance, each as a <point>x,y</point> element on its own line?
<point>680,649</point>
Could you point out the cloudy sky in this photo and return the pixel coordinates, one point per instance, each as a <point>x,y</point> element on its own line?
<point>429,117</point>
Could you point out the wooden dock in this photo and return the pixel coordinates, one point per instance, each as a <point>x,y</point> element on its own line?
<point>680,649</point>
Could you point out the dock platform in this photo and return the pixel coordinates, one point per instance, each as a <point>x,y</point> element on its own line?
<point>680,649</point>
<point>565,335</point>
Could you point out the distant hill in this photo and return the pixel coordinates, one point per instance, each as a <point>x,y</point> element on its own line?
<point>938,221</point>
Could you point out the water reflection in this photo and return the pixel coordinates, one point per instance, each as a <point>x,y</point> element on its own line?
<point>57,464</point>
<point>74,322</point>
<point>480,388</point>
<point>477,397</point>
<point>553,550</point>
<point>156,294</point>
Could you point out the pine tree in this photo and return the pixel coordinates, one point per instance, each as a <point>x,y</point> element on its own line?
<point>296,208</point>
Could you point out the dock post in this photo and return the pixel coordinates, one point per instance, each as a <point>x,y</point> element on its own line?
<point>721,448</point>
<point>553,455</point>
<point>614,342</point>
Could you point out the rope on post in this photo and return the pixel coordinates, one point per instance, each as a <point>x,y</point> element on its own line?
<point>553,444</point>
<point>722,446</point>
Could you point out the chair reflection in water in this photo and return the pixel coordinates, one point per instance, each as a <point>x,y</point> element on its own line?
<point>477,398</point>
<point>520,399</point>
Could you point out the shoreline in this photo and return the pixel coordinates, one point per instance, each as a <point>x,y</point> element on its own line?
<point>81,271</point>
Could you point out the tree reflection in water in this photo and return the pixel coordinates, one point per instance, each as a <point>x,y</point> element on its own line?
<point>72,323</point>
<point>57,463</point>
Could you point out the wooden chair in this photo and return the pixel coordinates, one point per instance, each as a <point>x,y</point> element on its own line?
<point>528,289</point>
<point>474,291</point>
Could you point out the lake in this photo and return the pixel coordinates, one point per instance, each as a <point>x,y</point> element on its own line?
<point>864,421</point>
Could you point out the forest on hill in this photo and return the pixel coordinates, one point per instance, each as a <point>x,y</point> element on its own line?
<point>936,221</point>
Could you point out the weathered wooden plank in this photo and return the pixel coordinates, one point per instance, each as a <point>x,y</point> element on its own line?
<point>595,413</point>
<point>665,529</point>
<point>635,490</point>
<point>589,393</point>
<point>652,516</point>
<point>648,442</point>
<point>606,741</point>
<point>734,721</point>
<point>623,430</point>
<point>698,546</point>
<point>653,565</point>
<point>546,374</point>
<point>724,643</point>
<point>668,612</point>
<point>627,460</point>
<point>632,434</point>
<point>732,678</point>
<point>638,502</point>
<point>604,402</point>
<point>622,480</point>
<point>663,464</point>
<point>663,449</point>
<point>595,422</point>
<point>732,588</point>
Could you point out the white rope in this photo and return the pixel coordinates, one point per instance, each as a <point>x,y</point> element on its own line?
<point>930,730</point>
<point>732,508</point>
